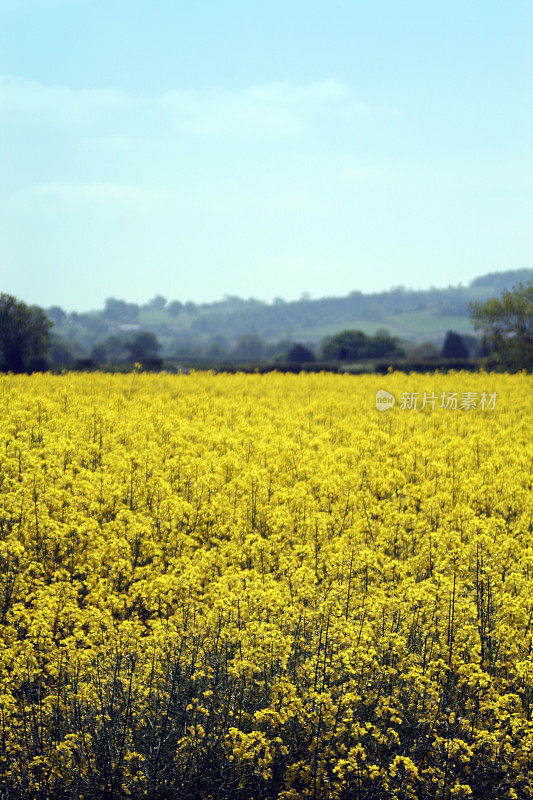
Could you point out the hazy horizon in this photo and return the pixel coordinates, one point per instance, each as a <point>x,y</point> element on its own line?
<point>306,296</point>
<point>197,151</point>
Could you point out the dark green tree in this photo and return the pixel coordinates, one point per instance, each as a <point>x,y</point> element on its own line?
<point>507,325</point>
<point>142,345</point>
<point>120,311</point>
<point>383,345</point>
<point>356,345</point>
<point>24,335</point>
<point>300,354</point>
<point>109,350</point>
<point>454,346</point>
<point>345,346</point>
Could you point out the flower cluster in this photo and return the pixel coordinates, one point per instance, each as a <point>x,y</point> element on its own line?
<point>251,586</point>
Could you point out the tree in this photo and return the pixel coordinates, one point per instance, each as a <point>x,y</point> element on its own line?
<point>502,281</point>
<point>217,348</point>
<point>175,308</point>
<point>355,345</point>
<point>277,351</point>
<point>249,348</point>
<point>120,311</point>
<point>216,351</point>
<point>63,353</point>
<point>188,348</point>
<point>143,345</point>
<point>472,344</point>
<point>300,354</point>
<point>345,346</point>
<point>24,335</point>
<point>484,348</point>
<point>507,325</point>
<point>454,346</point>
<point>425,350</point>
<point>57,315</point>
<point>110,350</point>
<point>383,345</point>
<point>157,303</point>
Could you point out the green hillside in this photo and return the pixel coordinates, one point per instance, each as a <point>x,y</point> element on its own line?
<point>413,315</point>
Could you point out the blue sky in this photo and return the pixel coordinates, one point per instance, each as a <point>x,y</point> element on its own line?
<point>261,149</point>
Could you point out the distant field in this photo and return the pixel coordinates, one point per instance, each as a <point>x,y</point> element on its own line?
<point>428,325</point>
<point>420,325</point>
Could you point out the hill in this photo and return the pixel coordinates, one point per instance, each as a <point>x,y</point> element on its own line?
<point>412,315</point>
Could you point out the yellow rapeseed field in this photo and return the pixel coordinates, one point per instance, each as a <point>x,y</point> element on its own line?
<point>260,586</point>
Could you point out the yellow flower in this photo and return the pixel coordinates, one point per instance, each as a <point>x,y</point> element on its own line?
<point>321,584</point>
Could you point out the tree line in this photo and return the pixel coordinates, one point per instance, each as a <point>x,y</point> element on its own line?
<point>306,319</point>
<point>27,342</point>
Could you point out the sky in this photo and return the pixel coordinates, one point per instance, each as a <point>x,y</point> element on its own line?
<point>261,149</point>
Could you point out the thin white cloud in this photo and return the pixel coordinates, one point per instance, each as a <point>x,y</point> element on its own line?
<point>222,113</point>
<point>37,103</point>
<point>271,109</point>
<point>299,95</point>
<point>102,193</point>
